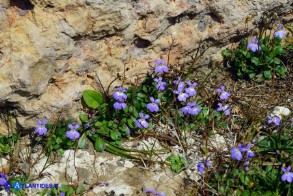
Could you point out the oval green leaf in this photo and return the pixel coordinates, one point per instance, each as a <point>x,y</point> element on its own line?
<point>100,144</point>
<point>92,98</point>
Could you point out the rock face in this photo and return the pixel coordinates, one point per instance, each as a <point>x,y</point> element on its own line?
<point>51,50</point>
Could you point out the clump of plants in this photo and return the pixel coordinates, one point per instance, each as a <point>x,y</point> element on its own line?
<point>169,106</point>
<point>263,56</point>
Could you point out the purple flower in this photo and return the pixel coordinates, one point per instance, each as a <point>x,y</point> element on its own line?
<point>181,85</point>
<point>62,194</point>
<point>287,176</point>
<point>281,33</point>
<point>191,89</point>
<point>249,154</point>
<point>225,108</point>
<point>224,94</point>
<point>119,105</point>
<point>185,109</point>
<point>160,84</point>
<point>153,107</point>
<point>3,179</point>
<point>72,133</point>
<point>207,163</point>
<point>153,191</point>
<point>194,110</point>
<point>244,148</point>
<point>274,119</point>
<point>236,154</point>
<point>142,123</point>
<point>280,26</point>
<point>181,95</point>
<point>253,45</point>
<point>200,167</point>
<point>41,129</point>
<point>127,130</point>
<point>120,95</point>
<point>177,81</point>
<point>161,66</point>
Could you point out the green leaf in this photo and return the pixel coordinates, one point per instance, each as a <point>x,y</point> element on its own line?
<point>172,158</point>
<point>281,71</point>
<point>82,141</point>
<point>246,193</point>
<point>235,172</point>
<point>244,179</point>
<point>92,98</point>
<point>60,152</point>
<point>115,135</point>
<point>83,118</point>
<point>59,140</point>
<point>130,123</point>
<point>225,53</point>
<point>269,168</point>
<point>63,188</point>
<point>251,75</point>
<point>80,189</point>
<point>222,189</point>
<point>267,75</point>
<point>277,61</point>
<point>278,50</point>
<point>100,144</point>
<point>70,191</point>
<point>255,61</point>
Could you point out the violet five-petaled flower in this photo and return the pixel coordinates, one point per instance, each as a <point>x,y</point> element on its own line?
<point>253,45</point>
<point>119,105</point>
<point>181,86</point>
<point>224,94</point>
<point>207,163</point>
<point>287,176</point>
<point>280,33</point>
<point>160,84</point>
<point>41,128</point>
<point>153,106</point>
<point>161,66</point>
<point>142,123</point>
<point>274,119</point>
<point>226,108</point>
<point>3,179</point>
<point>246,148</point>
<point>72,133</point>
<point>153,191</point>
<point>191,89</point>
<point>200,167</point>
<point>194,110</point>
<point>120,95</point>
<point>181,95</point>
<point>236,154</point>
<point>249,154</point>
<point>190,108</point>
<point>185,109</point>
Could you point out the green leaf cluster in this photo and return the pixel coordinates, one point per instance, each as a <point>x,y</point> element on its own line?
<point>178,163</point>
<point>266,62</point>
